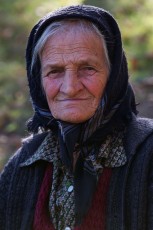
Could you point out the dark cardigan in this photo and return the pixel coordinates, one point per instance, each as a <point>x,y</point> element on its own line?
<point>130,199</point>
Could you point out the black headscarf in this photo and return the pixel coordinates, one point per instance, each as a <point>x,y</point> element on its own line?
<point>117,88</point>
<point>120,103</point>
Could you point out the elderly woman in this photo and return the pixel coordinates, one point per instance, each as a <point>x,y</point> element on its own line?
<point>88,164</point>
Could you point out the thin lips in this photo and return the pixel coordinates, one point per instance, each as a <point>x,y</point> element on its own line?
<point>73,99</point>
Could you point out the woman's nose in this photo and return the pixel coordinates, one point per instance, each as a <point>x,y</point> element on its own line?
<point>71,84</point>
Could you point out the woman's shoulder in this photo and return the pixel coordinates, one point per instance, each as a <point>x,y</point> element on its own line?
<point>144,123</point>
<point>29,145</point>
<point>140,127</point>
<point>32,142</point>
<point>139,131</point>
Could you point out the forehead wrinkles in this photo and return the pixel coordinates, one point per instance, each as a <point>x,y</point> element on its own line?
<point>66,50</point>
<point>63,52</point>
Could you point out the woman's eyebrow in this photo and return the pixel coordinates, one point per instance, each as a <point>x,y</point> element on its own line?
<point>88,61</point>
<point>51,66</point>
<point>80,62</point>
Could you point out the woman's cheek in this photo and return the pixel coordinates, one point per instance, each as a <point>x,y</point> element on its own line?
<point>51,87</point>
<point>95,86</point>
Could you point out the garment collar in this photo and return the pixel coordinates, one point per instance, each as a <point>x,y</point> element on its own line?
<point>44,152</point>
<point>47,148</point>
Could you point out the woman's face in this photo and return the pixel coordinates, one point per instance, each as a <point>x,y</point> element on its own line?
<point>74,74</point>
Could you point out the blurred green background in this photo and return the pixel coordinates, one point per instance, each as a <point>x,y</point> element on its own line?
<point>17,17</point>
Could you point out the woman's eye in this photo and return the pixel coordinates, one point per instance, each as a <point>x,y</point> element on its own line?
<point>87,70</point>
<point>54,72</point>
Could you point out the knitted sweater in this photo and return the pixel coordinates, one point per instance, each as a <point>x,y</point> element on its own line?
<point>130,197</point>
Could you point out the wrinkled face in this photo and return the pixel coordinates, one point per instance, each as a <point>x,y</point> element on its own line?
<point>74,74</point>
